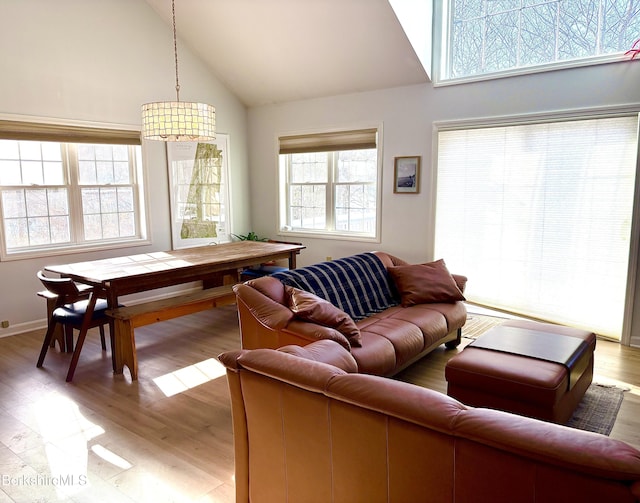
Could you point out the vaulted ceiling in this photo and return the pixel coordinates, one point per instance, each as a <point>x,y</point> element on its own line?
<point>273,51</point>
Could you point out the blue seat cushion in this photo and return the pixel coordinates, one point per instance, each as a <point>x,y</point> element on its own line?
<point>263,270</point>
<point>73,313</point>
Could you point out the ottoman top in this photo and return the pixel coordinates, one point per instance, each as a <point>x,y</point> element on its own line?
<point>553,347</point>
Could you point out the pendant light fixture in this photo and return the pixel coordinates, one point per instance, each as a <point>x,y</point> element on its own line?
<point>178,120</point>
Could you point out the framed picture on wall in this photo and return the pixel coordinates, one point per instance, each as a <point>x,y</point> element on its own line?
<point>199,192</point>
<point>406,175</point>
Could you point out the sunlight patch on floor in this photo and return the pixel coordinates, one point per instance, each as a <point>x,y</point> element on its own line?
<point>154,489</point>
<point>110,456</point>
<point>60,417</point>
<point>630,388</point>
<point>66,434</point>
<point>189,377</point>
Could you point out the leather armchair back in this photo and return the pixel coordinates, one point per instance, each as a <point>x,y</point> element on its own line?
<point>309,431</point>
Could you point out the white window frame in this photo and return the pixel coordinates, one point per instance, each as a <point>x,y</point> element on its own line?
<point>78,243</point>
<point>442,43</point>
<point>329,232</point>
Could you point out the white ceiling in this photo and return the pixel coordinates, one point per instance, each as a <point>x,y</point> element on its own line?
<point>273,51</point>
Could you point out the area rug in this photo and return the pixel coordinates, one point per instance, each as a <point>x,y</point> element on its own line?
<point>598,409</point>
<point>477,324</point>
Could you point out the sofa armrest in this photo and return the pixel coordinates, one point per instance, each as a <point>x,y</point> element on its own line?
<point>324,351</point>
<point>308,332</point>
<point>267,311</point>
<point>230,359</point>
<point>389,260</point>
<point>461,281</point>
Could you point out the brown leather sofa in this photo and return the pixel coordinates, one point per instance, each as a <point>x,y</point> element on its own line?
<point>427,311</point>
<point>309,431</point>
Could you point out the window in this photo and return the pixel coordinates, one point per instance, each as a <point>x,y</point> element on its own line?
<point>329,184</point>
<point>481,37</point>
<point>539,215</point>
<point>58,195</point>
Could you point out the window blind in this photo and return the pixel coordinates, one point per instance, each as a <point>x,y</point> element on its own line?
<point>329,142</point>
<point>538,216</point>
<point>38,131</point>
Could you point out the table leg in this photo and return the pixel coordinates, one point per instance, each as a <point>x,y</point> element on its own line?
<point>125,348</point>
<point>228,277</point>
<point>292,259</point>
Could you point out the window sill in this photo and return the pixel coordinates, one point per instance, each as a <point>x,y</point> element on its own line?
<point>329,235</point>
<point>530,70</point>
<point>69,250</point>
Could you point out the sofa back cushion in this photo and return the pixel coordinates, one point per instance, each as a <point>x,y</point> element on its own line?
<point>358,285</point>
<point>425,283</point>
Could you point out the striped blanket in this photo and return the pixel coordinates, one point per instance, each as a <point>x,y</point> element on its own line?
<point>357,284</point>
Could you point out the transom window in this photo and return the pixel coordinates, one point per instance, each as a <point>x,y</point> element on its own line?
<point>57,195</point>
<point>330,187</point>
<point>480,37</point>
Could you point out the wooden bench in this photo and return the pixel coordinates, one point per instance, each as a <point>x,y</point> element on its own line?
<point>127,318</point>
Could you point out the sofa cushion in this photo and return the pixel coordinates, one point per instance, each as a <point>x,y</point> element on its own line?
<point>431,323</point>
<point>454,312</point>
<point>406,337</point>
<point>310,307</point>
<point>377,355</point>
<point>425,283</point>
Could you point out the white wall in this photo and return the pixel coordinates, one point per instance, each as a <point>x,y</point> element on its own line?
<point>408,115</point>
<point>404,134</point>
<point>99,61</point>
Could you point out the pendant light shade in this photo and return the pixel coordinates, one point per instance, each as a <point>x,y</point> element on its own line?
<point>178,120</point>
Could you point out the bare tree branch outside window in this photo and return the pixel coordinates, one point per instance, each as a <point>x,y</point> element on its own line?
<point>495,35</point>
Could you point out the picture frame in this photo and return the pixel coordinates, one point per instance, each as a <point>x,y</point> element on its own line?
<point>206,220</point>
<point>406,175</point>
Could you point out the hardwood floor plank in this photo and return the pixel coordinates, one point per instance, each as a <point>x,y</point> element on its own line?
<point>134,442</point>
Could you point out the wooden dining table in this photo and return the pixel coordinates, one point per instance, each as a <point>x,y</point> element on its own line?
<point>115,277</point>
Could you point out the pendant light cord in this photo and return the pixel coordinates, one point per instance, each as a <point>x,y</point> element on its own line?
<point>175,48</point>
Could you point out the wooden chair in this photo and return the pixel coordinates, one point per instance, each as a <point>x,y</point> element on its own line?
<point>75,308</point>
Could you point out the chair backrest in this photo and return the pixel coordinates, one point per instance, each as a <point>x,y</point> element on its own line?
<point>65,288</point>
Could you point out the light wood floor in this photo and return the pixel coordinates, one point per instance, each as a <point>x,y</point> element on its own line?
<point>104,438</point>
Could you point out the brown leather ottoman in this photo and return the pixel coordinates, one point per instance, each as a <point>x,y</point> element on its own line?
<point>522,384</point>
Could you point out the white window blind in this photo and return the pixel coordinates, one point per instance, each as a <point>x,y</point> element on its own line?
<point>538,216</point>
